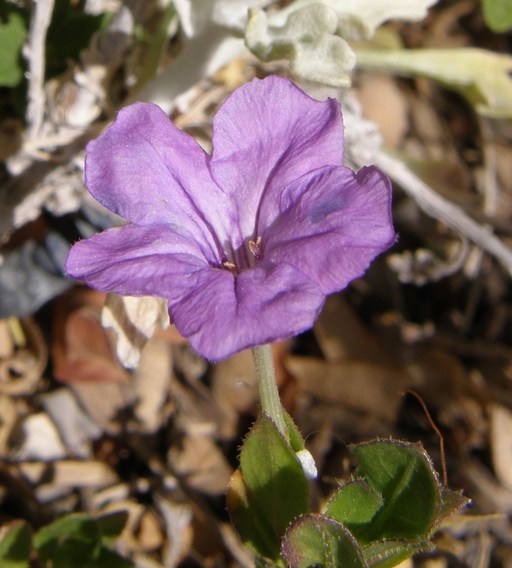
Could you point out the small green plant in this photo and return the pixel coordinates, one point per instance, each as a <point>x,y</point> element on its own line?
<point>77,540</point>
<point>386,512</point>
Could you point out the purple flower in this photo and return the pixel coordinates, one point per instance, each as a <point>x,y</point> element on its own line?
<point>244,244</point>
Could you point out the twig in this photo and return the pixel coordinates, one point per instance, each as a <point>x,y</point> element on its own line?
<point>35,53</point>
<point>440,208</point>
<point>434,427</point>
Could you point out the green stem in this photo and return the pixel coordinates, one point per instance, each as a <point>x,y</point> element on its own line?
<point>267,388</point>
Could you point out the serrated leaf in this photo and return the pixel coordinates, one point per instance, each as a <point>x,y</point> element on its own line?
<point>276,488</point>
<point>12,36</point>
<point>403,475</point>
<point>73,540</point>
<point>353,503</point>
<point>483,77</point>
<point>15,545</point>
<point>498,14</point>
<point>317,540</point>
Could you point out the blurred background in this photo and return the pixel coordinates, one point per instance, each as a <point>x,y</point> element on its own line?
<point>105,407</point>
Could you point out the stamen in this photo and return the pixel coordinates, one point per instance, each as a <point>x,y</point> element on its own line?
<point>254,247</point>
<point>229,265</point>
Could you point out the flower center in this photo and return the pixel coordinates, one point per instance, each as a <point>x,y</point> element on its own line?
<point>245,256</point>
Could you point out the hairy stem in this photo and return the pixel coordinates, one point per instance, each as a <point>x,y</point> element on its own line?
<point>267,388</point>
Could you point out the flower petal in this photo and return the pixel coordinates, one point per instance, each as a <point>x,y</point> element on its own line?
<point>333,223</point>
<point>148,171</point>
<point>225,313</point>
<point>218,312</point>
<point>266,134</point>
<point>135,260</point>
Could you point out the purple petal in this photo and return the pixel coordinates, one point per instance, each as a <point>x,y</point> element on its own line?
<point>135,260</point>
<point>266,134</point>
<point>218,312</point>
<point>333,223</point>
<point>224,314</point>
<point>148,171</point>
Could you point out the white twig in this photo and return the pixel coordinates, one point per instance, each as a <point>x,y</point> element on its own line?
<point>35,53</point>
<point>440,208</point>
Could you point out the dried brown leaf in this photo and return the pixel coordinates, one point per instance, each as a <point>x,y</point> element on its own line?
<point>81,349</point>
<point>199,461</point>
<point>361,385</point>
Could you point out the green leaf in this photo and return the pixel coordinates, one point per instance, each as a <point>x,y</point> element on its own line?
<point>70,31</point>
<point>354,503</point>
<point>451,501</point>
<point>316,540</point>
<point>498,14</point>
<point>73,540</point>
<point>274,489</point>
<point>109,559</point>
<point>255,532</point>
<point>111,525</point>
<point>294,435</point>
<point>12,35</point>
<point>387,553</point>
<point>312,34</point>
<point>403,474</point>
<point>308,40</point>
<point>483,77</point>
<point>15,545</point>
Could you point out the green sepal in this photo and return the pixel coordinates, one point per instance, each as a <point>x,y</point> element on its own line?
<point>294,436</point>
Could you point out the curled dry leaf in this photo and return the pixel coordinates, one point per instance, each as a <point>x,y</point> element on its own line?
<point>134,320</point>
<point>142,531</point>
<point>152,381</point>
<point>178,529</point>
<point>69,473</point>
<point>25,356</point>
<point>41,440</point>
<point>76,428</point>
<point>103,402</point>
<point>81,348</point>
<point>200,462</point>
